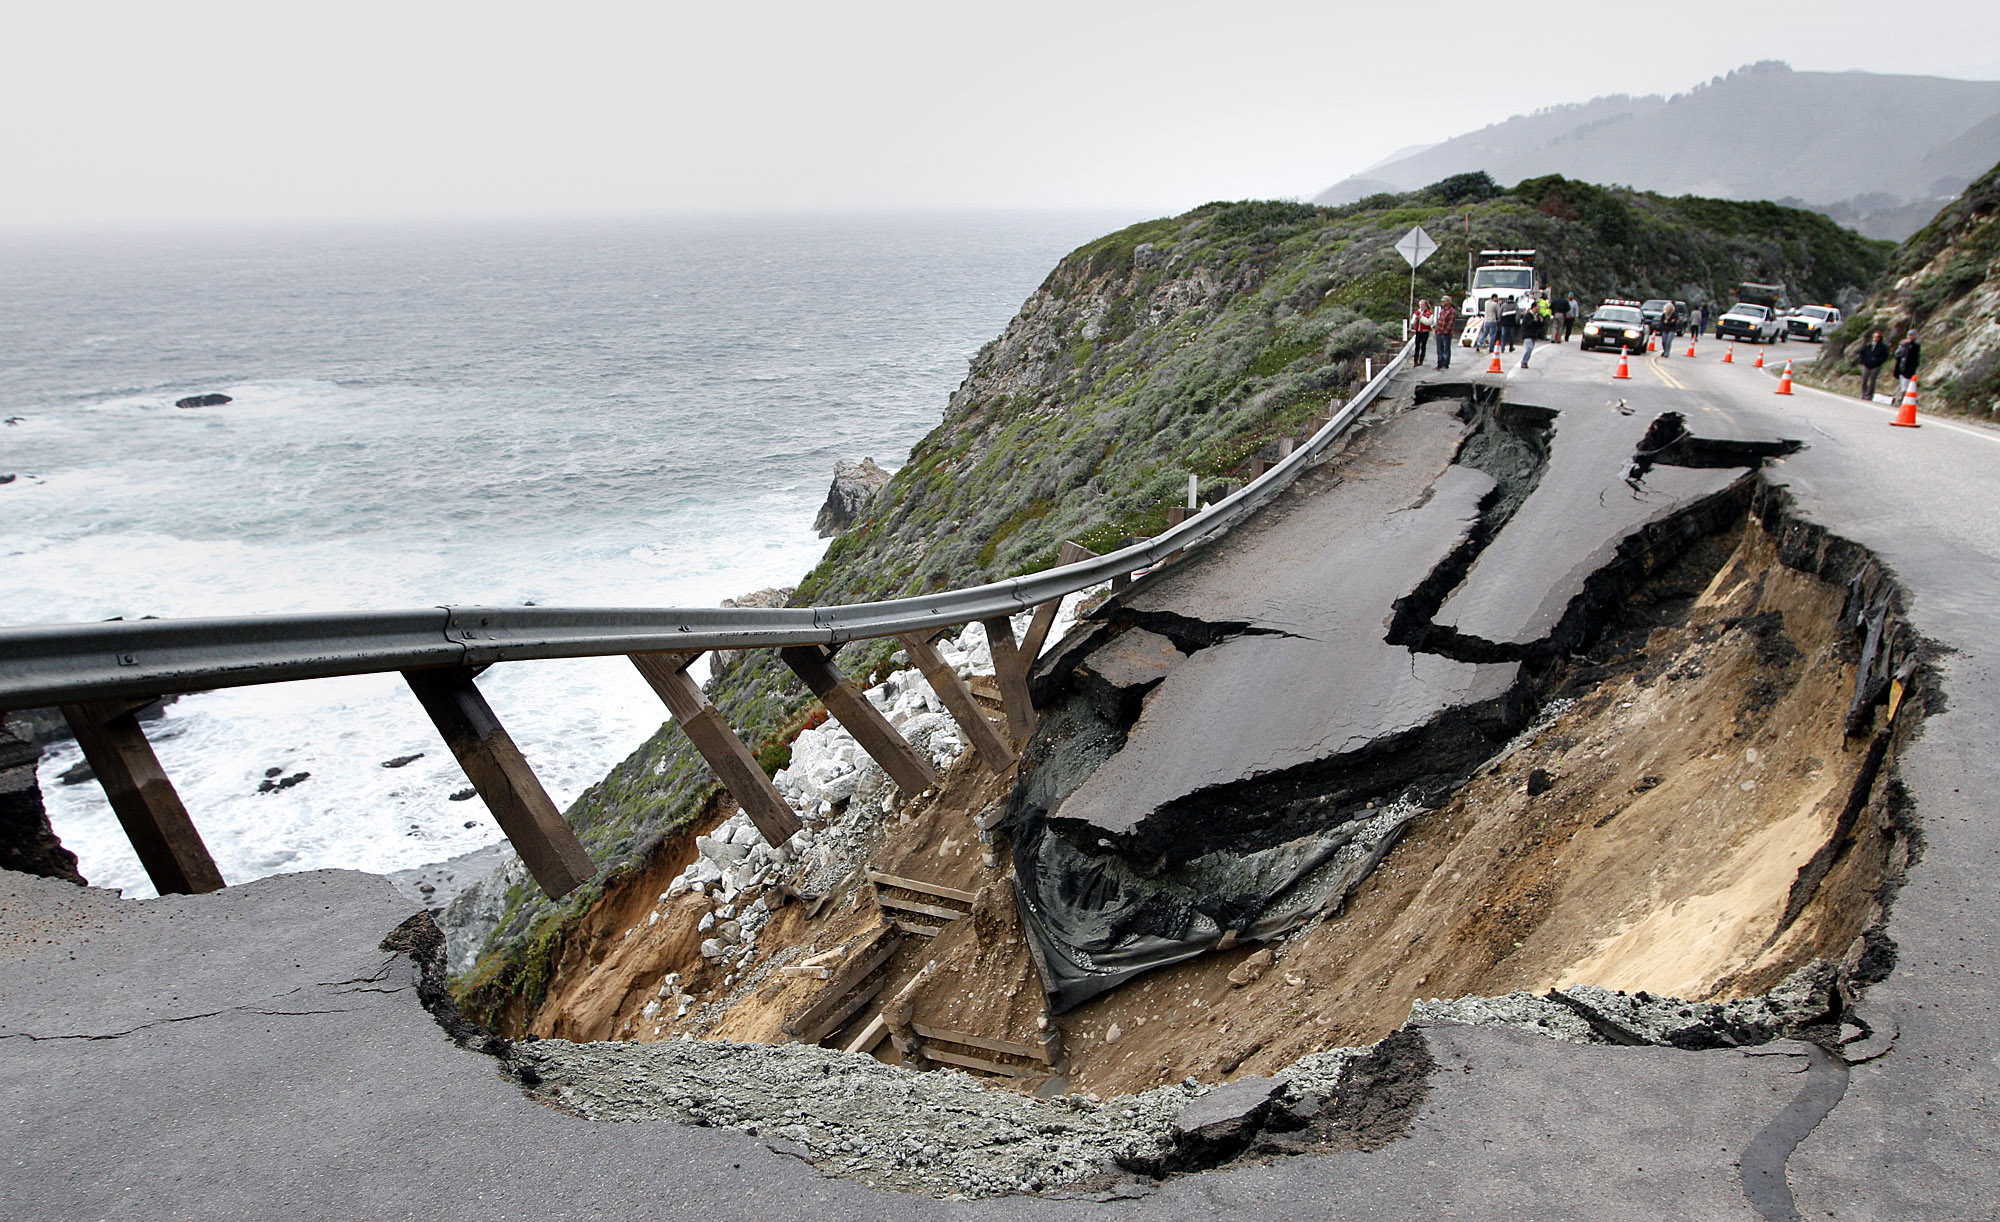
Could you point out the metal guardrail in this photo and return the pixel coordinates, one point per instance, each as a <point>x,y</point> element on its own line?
<point>63,663</point>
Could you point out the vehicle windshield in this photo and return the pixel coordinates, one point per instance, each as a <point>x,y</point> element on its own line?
<point>1617,314</point>
<point>1514,279</point>
<point>1654,307</point>
<point>1820,312</point>
<point>1754,311</point>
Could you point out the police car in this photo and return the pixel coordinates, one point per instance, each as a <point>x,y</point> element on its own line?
<point>1617,324</point>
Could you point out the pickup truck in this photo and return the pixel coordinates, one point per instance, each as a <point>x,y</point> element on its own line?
<point>1813,323</point>
<point>1754,324</point>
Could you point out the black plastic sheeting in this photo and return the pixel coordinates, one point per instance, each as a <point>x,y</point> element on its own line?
<point>1094,922</point>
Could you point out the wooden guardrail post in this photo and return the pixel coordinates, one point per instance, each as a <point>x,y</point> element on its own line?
<point>912,772</point>
<point>979,732</point>
<point>727,755</point>
<point>142,797</point>
<point>1010,676</point>
<point>500,773</point>
<point>1045,614</point>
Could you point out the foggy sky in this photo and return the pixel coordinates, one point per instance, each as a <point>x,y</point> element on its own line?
<point>197,111</point>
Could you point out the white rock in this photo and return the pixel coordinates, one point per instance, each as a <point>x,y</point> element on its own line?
<point>714,948</point>
<point>706,923</point>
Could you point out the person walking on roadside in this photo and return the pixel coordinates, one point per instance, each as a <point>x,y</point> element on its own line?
<point>1489,326</point>
<point>1697,319</point>
<point>1908,353</point>
<point>1421,321</point>
<point>1445,323</point>
<point>1533,327</point>
<point>1558,318</point>
<point>1670,325</point>
<point>1569,319</point>
<point>1873,355</point>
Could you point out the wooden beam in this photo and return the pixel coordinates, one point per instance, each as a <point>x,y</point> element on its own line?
<point>727,755</point>
<point>912,772</point>
<point>933,1052</point>
<point>501,775</point>
<point>871,1035</point>
<point>958,701</point>
<point>871,954</point>
<point>977,1041</point>
<point>143,797</point>
<point>911,927</point>
<point>1011,677</point>
<point>924,888</point>
<point>929,910</point>
<point>1045,615</point>
<point>840,1015</point>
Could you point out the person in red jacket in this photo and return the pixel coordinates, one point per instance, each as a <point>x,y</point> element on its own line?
<point>1420,324</point>
<point>1445,322</point>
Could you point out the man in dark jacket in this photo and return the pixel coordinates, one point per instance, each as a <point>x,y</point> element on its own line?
<point>1907,354</point>
<point>1873,355</point>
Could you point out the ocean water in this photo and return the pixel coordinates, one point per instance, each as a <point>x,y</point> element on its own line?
<point>634,412</point>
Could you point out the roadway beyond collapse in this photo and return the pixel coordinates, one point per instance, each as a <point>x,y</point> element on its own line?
<point>255,1051</point>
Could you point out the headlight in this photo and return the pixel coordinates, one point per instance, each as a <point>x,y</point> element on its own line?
<point>1631,334</point>
<point>1590,329</point>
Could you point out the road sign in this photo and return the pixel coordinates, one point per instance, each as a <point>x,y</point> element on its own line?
<point>1416,246</point>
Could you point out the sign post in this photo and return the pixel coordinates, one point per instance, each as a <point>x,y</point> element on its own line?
<point>1415,246</point>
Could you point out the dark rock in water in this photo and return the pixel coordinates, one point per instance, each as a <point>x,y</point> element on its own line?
<point>268,785</point>
<point>8,478</point>
<point>207,400</point>
<point>401,760</point>
<point>76,774</point>
<point>463,794</point>
<point>854,485</point>
<point>27,842</point>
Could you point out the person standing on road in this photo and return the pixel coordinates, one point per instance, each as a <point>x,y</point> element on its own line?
<point>1908,353</point>
<point>1489,327</point>
<point>1533,327</point>
<point>1569,319</point>
<point>1873,355</point>
<point>1697,319</point>
<point>1445,323</point>
<point>1670,325</point>
<point>1558,318</point>
<point>1510,324</point>
<point>1421,322</point>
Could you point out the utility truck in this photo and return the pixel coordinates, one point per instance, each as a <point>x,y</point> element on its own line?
<point>1510,275</point>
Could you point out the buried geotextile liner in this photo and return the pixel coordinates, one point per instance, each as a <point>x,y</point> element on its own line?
<point>1094,922</point>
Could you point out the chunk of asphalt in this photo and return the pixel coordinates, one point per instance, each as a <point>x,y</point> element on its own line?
<point>1116,675</point>
<point>1228,1114</point>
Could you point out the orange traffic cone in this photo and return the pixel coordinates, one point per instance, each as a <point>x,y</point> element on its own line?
<point>1495,366</point>
<point>1785,378</point>
<point>1729,357</point>
<point>1690,347</point>
<point>1624,366</point>
<point>1652,343</point>
<point>1759,362</point>
<point>1907,419</point>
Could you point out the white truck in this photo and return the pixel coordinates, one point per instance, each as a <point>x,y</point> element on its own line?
<point>1510,275</point>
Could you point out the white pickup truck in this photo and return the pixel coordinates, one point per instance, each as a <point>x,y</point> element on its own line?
<point>1754,324</point>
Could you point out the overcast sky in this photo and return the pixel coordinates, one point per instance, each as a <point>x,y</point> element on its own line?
<point>191,110</point>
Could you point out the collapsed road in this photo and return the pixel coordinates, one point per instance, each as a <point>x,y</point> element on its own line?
<point>209,999</point>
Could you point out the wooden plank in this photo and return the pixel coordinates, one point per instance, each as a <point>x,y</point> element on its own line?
<point>977,1041</point>
<point>808,973</point>
<point>501,775</point>
<point>958,701</point>
<point>934,1053</point>
<point>870,955</point>
<point>1176,514</point>
<point>903,905</point>
<point>143,798</point>
<point>1011,678</point>
<point>822,958</point>
<point>911,884</point>
<point>841,1015</point>
<point>727,755</point>
<point>1045,615</point>
<point>911,927</point>
<point>871,1035</point>
<point>911,772</point>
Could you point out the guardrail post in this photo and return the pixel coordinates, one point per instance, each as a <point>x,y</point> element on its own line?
<point>1010,677</point>
<point>727,755</point>
<point>912,772</point>
<point>1045,614</point>
<point>142,797</point>
<point>979,732</point>
<point>497,769</point>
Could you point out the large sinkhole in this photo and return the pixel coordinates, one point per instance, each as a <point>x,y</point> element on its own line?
<point>1676,824</point>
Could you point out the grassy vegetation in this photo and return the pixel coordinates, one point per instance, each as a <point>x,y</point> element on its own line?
<point>1171,347</point>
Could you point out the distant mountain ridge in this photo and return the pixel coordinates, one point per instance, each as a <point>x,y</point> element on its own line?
<point>1876,153</point>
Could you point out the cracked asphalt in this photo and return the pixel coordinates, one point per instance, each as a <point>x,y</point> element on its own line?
<point>255,1053</point>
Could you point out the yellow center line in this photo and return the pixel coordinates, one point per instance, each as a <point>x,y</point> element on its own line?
<point>1660,372</point>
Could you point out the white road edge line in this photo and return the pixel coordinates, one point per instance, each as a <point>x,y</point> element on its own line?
<point>1929,421</point>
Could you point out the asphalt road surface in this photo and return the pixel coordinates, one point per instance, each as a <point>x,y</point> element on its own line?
<point>252,1052</point>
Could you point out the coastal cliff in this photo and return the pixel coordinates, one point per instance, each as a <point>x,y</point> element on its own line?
<point>1172,348</point>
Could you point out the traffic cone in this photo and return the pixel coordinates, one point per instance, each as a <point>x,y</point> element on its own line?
<point>1785,378</point>
<point>1624,366</point>
<point>1690,347</point>
<point>1729,357</point>
<point>1759,362</point>
<point>1495,366</point>
<point>1652,343</point>
<point>1907,419</point>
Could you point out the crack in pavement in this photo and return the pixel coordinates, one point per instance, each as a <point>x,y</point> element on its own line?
<point>246,1008</point>
<point>1765,1159</point>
